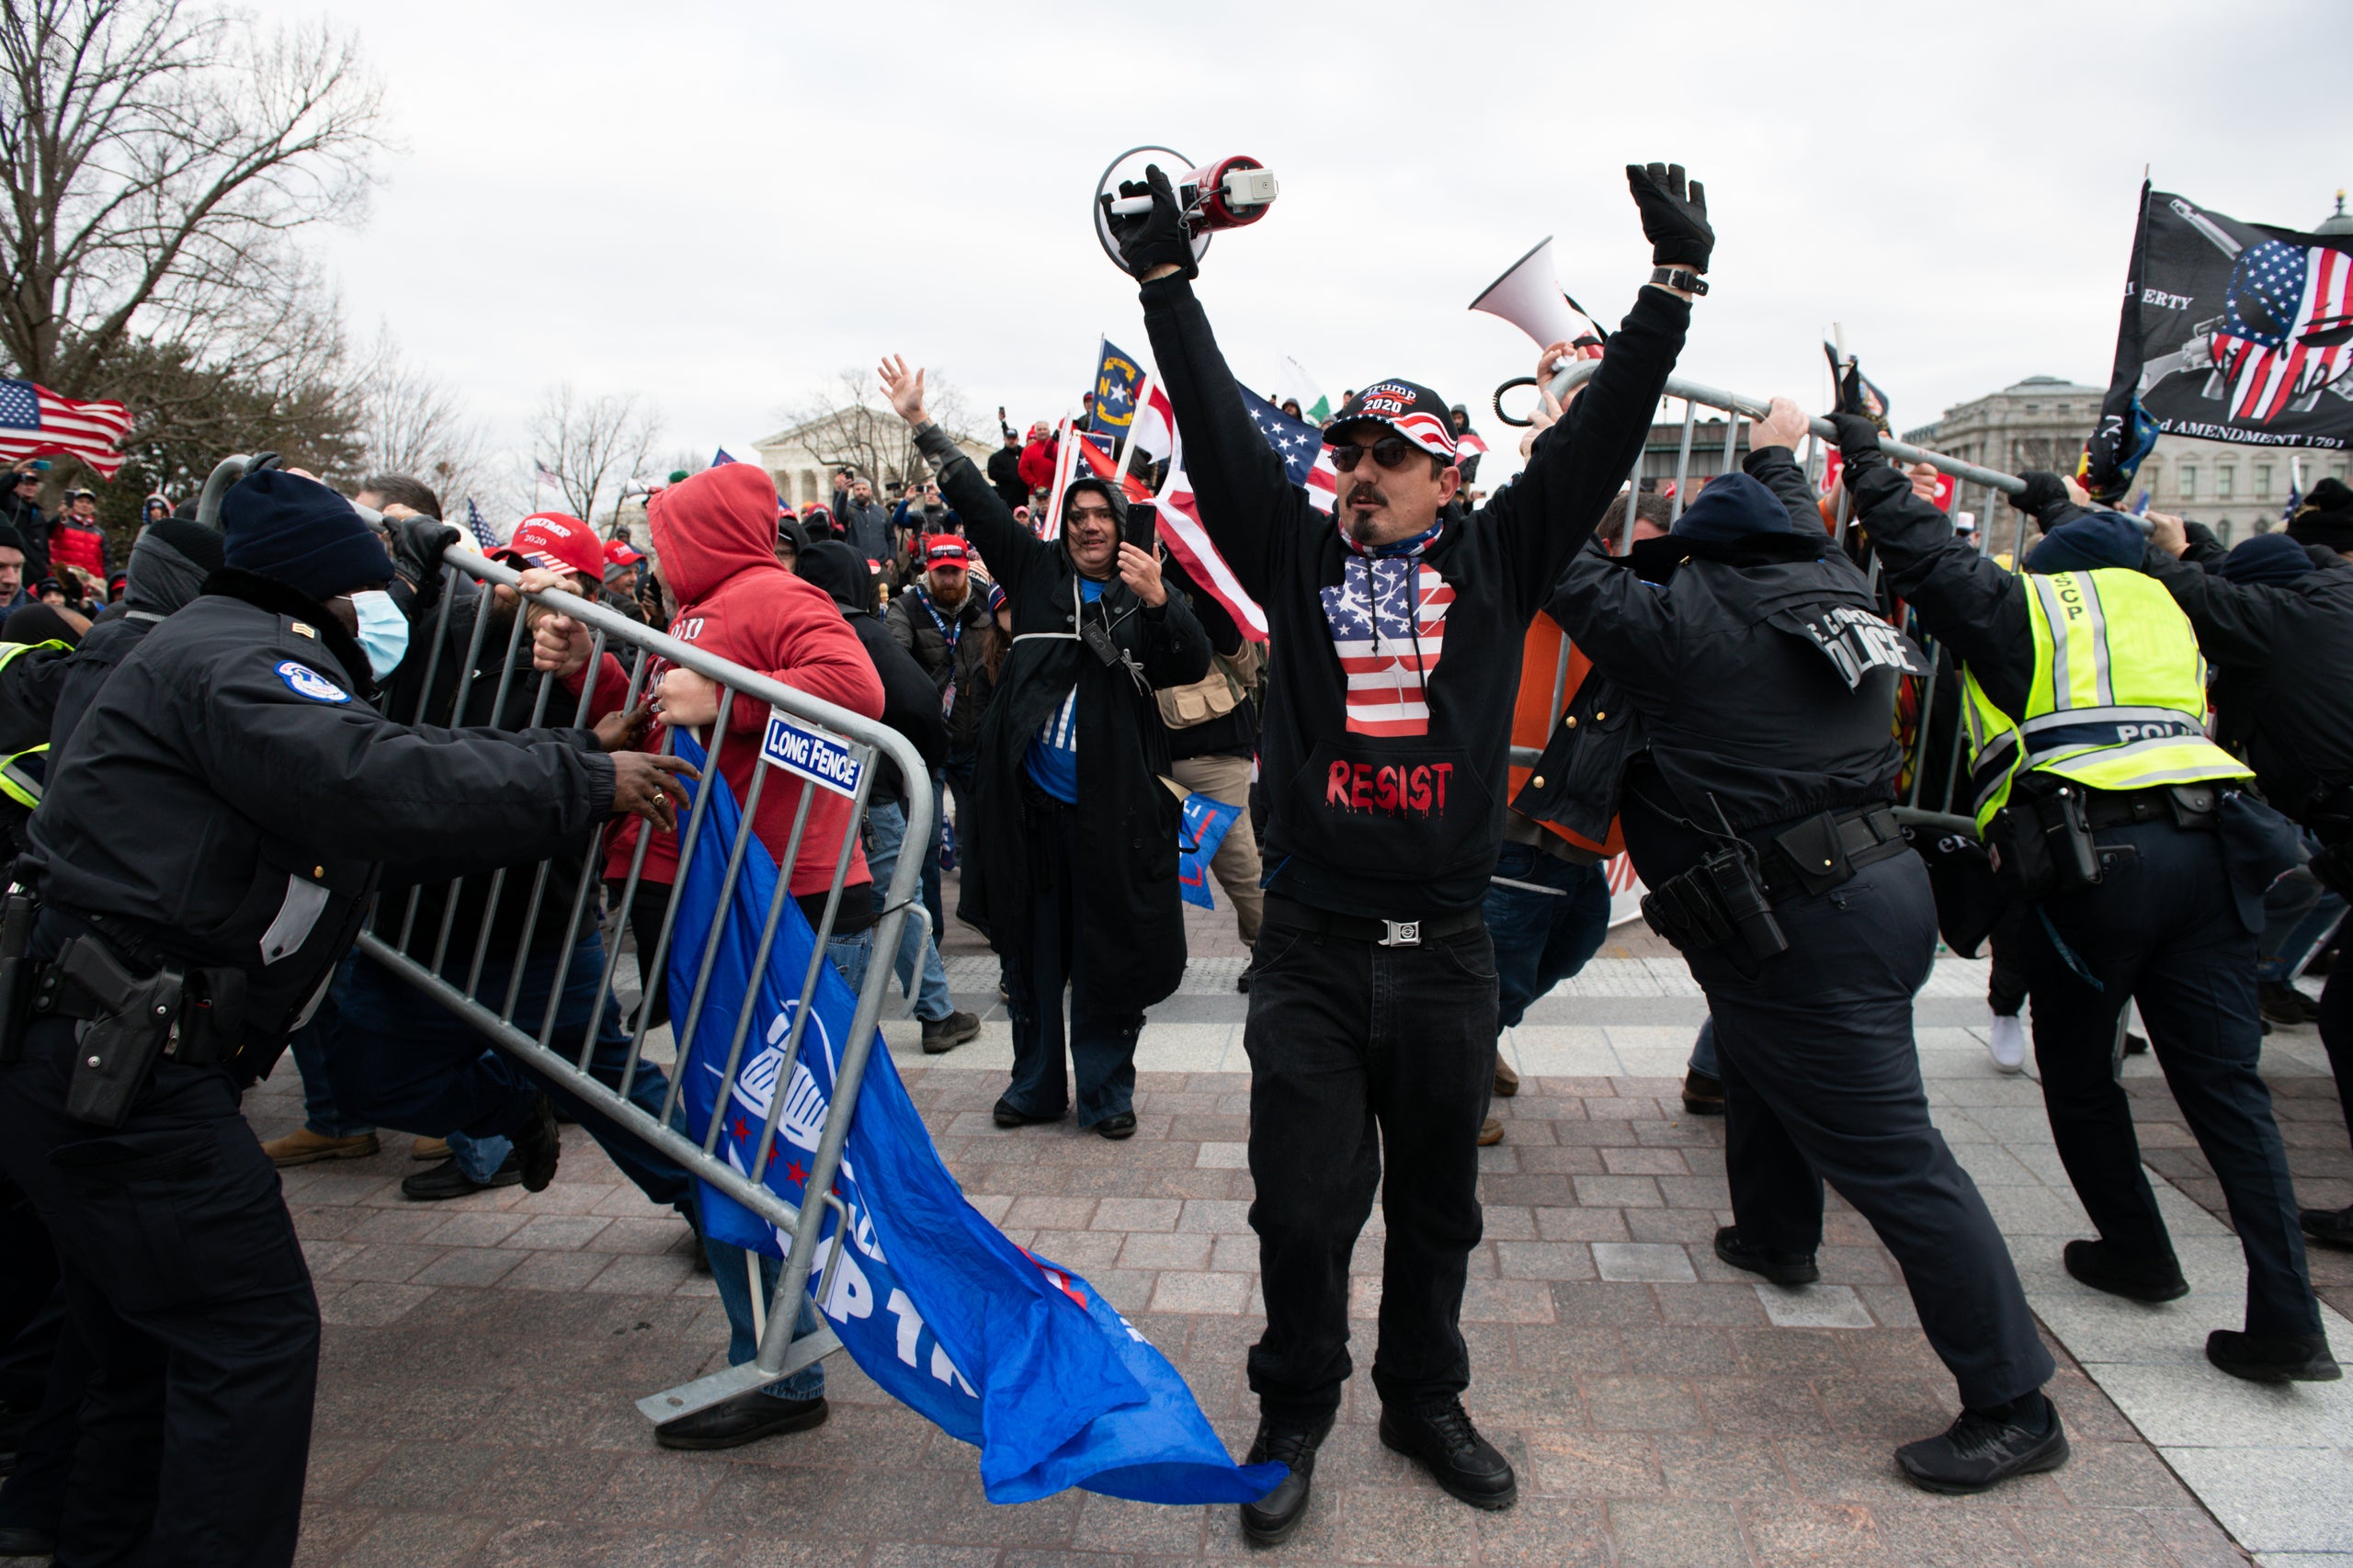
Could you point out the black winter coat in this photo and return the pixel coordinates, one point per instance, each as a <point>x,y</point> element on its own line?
<point>1130,921</point>
<point>232,781</point>
<point>910,700</point>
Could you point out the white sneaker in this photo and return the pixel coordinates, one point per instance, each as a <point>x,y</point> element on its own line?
<point>2007,1045</point>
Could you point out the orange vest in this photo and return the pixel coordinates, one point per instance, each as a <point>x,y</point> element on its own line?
<point>1534,717</point>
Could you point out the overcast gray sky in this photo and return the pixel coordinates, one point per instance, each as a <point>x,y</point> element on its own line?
<point>722,205</point>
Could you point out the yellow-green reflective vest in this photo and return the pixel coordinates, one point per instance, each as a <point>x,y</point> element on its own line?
<point>14,783</point>
<point>2117,700</point>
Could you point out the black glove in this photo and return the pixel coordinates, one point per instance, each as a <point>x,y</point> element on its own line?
<point>415,545</point>
<point>1857,439</point>
<point>2203,545</point>
<point>1674,221</point>
<point>1157,238</point>
<point>2044,494</point>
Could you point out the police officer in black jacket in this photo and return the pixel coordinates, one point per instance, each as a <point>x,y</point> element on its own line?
<point>1756,805</point>
<point>2275,617</point>
<point>2143,865</point>
<point>210,837</point>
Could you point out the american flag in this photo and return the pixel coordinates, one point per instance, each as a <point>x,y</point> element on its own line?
<point>1300,446</point>
<point>481,529</point>
<point>35,421</point>
<point>1388,620</point>
<point>547,476</point>
<point>2310,289</point>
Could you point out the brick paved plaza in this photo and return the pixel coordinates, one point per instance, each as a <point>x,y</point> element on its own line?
<point>483,1356</point>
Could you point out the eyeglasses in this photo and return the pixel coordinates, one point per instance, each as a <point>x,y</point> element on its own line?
<point>1090,514</point>
<point>1390,451</point>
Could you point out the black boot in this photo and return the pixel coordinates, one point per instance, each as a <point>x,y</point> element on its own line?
<point>539,1142</point>
<point>1272,1517</point>
<point>744,1418</point>
<point>1439,1436</point>
<point>2330,1227</point>
<point>1703,1095</point>
<point>2096,1264</point>
<point>1781,1267</point>
<point>1986,1447</point>
<point>2273,1357</point>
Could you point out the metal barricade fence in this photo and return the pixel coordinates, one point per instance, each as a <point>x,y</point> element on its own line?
<point>1924,803</point>
<point>457,981</point>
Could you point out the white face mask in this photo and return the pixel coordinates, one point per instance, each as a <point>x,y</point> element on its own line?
<point>383,630</point>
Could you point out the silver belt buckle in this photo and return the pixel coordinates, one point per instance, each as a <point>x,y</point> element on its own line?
<point>1402,934</point>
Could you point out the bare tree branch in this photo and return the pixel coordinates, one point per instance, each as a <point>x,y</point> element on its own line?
<point>595,447</point>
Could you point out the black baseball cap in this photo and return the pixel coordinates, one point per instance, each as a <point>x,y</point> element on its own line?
<point>1407,407</point>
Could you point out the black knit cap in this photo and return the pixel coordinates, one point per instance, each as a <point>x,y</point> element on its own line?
<point>297,531</point>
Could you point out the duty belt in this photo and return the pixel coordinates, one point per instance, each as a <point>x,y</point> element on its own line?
<point>1818,853</point>
<point>2185,805</point>
<point>1361,929</point>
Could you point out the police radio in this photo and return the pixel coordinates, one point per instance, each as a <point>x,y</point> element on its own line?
<point>1225,193</point>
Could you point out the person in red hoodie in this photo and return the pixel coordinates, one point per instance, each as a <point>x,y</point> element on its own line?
<point>715,535</point>
<point>1037,460</point>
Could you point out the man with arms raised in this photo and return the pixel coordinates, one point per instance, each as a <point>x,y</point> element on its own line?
<point>1372,1009</point>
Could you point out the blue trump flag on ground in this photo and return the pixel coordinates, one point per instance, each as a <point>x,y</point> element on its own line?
<point>1001,1348</point>
<point>1206,824</point>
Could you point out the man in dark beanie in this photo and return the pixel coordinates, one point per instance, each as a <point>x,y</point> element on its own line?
<point>2277,628</point>
<point>209,838</point>
<point>169,562</point>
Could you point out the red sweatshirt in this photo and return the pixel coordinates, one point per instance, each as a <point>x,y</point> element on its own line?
<point>716,536</point>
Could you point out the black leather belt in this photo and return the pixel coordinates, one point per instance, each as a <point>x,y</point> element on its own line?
<point>1359,929</point>
<point>2185,805</point>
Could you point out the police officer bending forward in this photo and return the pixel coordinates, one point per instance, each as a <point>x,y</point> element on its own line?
<point>2119,820</point>
<point>214,830</point>
<point>1755,776</point>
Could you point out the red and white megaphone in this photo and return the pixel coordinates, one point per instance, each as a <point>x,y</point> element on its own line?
<point>1226,193</point>
<point>1529,296</point>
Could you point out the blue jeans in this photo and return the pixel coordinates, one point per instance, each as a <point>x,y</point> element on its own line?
<point>397,1055</point>
<point>886,827</point>
<point>320,1113</point>
<point>1703,1050</point>
<point>2298,915</point>
<point>479,1158</point>
<point>728,1270</point>
<point>1541,938</point>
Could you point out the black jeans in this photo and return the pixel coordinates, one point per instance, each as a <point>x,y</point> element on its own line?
<point>1355,1050</point>
<point>187,1286</point>
<point>1822,1082</point>
<point>2006,985</point>
<point>2162,929</point>
<point>1102,1032</point>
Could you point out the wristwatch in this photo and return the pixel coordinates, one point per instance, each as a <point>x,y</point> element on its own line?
<point>1679,277</point>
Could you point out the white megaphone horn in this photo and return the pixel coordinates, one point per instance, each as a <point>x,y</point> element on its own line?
<point>1529,296</point>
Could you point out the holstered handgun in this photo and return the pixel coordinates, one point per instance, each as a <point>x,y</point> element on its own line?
<point>114,1052</point>
<point>17,912</point>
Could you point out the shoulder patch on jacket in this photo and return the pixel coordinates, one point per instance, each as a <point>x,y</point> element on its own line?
<point>303,681</point>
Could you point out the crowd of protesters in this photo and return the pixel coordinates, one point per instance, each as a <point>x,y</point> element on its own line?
<point>1065,683</point>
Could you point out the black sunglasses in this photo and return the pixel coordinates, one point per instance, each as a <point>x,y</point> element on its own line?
<point>1390,451</point>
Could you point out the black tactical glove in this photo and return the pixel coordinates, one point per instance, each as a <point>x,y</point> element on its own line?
<point>2044,494</point>
<point>1857,439</point>
<point>415,545</point>
<point>1675,221</point>
<point>1156,238</point>
<point>1852,399</point>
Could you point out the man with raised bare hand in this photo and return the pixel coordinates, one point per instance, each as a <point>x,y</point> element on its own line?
<point>1372,1009</point>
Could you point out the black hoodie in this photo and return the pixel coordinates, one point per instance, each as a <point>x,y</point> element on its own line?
<point>910,697</point>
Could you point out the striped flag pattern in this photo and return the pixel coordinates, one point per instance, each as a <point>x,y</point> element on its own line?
<point>35,422</point>
<point>481,529</point>
<point>2311,287</point>
<point>1388,620</point>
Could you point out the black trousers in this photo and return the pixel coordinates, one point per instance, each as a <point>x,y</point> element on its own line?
<point>1822,1082</point>
<point>1103,1028</point>
<point>2337,1034</point>
<point>2162,929</point>
<point>1358,1050</point>
<point>2005,987</point>
<point>188,1288</point>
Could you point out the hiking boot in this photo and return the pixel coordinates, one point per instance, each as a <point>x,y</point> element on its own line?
<point>446,1180</point>
<point>1981,1449</point>
<point>2273,1357</point>
<point>2283,1004</point>
<point>1781,1267</point>
<point>1491,1132</point>
<point>1008,1114</point>
<point>943,1035</point>
<point>429,1149</point>
<point>538,1146</point>
<point>1118,1125</point>
<point>2096,1264</point>
<point>1272,1518</point>
<point>1703,1095</point>
<point>1438,1437</point>
<point>302,1146</point>
<point>1507,1081</point>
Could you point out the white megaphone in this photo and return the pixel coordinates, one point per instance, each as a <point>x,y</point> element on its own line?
<point>1529,296</point>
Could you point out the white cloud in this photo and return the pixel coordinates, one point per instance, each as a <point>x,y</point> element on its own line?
<point>722,205</point>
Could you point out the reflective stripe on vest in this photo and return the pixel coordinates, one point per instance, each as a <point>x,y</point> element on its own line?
<point>2118,696</point>
<point>18,785</point>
